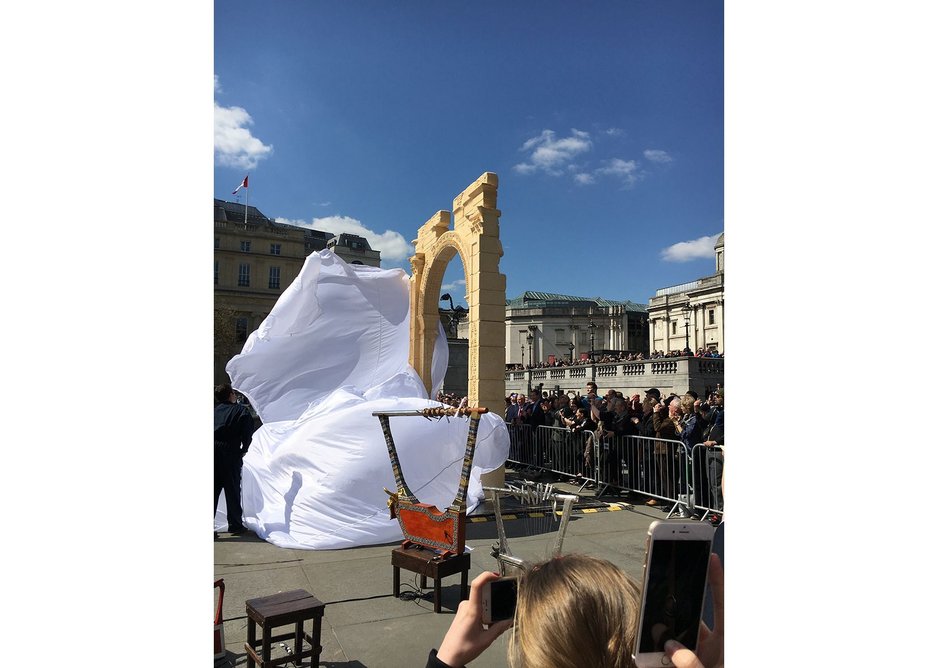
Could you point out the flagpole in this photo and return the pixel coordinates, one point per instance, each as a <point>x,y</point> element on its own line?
<point>246,207</point>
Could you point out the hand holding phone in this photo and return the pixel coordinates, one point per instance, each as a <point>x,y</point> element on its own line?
<point>467,638</point>
<point>677,561</point>
<point>499,598</point>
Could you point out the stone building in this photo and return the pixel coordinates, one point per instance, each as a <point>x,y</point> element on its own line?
<point>690,314</point>
<point>256,259</point>
<point>543,327</point>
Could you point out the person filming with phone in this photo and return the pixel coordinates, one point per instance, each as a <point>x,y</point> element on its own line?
<point>572,610</point>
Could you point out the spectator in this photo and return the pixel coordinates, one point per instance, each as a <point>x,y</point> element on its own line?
<point>666,416</point>
<point>512,408</point>
<point>646,429</point>
<point>582,427</point>
<point>573,610</point>
<point>713,438</point>
<point>561,418</point>
<point>234,429</point>
<point>612,428</point>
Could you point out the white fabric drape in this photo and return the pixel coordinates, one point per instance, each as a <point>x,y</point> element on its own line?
<point>333,350</point>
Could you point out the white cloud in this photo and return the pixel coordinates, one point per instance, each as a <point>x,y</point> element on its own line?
<point>583,178</point>
<point>235,146</point>
<point>657,155</point>
<point>453,286</point>
<point>685,251</point>
<point>615,132</point>
<point>393,246</point>
<point>551,155</point>
<point>627,171</point>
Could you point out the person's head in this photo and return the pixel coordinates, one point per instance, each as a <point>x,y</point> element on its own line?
<point>519,399</point>
<point>575,610</point>
<point>674,405</point>
<point>693,394</point>
<point>687,403</point>
<point>224,393</point>
<point>580,413</point>
<point>617,405</point>
<point>591,387</point>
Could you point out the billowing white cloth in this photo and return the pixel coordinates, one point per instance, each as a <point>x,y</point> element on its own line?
<point>333,350</point>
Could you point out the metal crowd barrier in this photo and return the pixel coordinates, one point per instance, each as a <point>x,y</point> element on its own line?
<point>707,465</point>
<point>658,468</point>
<point>557,450</point>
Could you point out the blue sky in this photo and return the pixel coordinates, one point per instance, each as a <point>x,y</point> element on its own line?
<point>603,121</point>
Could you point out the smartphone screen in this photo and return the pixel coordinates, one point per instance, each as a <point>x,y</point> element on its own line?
<point>676,576</point>
<point>504,598</point>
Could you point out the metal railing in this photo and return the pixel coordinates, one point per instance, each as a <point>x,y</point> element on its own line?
<point>663,470</point>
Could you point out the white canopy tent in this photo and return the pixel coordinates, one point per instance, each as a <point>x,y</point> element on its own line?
<point>333,350</point>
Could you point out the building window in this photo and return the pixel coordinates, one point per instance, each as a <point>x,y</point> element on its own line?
<point>674,326</point>
<point>217,242</point>
<point>241,329</point>
<point>560,336</point>
<point>244,275</point>
<point>710,316</point>
<point>275,249</point>
<point>216,272</point>
<point>274,280</point>
<point>245,246</point>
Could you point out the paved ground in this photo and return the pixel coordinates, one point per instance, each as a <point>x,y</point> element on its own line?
<point>365,626</point>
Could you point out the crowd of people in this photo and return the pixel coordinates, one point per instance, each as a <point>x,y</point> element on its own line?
<point>686,418</point>
<point>701,352</point>
<point>611,358</point>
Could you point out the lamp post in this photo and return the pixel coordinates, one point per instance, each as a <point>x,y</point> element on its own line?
<point>456,313</point>
<point>592,328</point>
<point>527,376</point>
<point>570,346</point>
<point>685,311</point>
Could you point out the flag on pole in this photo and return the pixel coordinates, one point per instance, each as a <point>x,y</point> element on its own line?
<point>243,184</point>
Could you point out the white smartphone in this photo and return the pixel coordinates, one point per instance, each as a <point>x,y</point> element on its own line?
<point>677,558</point>
<point>499,598</point>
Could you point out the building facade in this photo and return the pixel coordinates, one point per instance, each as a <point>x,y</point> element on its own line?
<point>691,314</point>
<point>256,259</point>
<point>541,328</point>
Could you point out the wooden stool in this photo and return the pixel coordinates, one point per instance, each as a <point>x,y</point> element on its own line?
<point>289,607</point>
<point>421,561</point>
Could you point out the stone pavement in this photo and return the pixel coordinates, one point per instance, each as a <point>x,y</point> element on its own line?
<point>365,626</point>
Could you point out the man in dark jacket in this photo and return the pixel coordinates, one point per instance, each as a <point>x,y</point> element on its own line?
<point>234,428</point>
<point>714,441</point>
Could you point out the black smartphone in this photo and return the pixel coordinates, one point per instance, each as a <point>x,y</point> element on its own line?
<point>677,560</point>
<point>499,598</point>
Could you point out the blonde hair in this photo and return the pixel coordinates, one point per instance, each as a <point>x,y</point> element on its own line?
<point>687,403</point>
<point>575,610</point>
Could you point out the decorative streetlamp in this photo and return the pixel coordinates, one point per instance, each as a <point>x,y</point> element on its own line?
<point>592,328</point>
<point>527,376</point>
<point>570,346</point>
<point>685,311</point>
<point>456,313</point>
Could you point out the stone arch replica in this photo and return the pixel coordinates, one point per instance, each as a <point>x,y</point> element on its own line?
<point>474,236</point>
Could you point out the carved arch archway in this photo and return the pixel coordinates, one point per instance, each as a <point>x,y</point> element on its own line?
<point>474,236</point>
